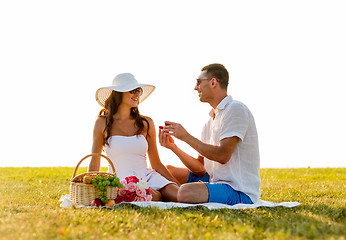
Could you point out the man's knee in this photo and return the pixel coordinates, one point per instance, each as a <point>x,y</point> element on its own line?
<point>193,193</point>
<point>184,193</point>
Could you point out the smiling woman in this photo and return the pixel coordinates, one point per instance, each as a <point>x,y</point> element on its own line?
<point>127,136</point>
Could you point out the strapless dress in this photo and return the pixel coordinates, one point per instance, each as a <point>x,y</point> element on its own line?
<point>128,155</point>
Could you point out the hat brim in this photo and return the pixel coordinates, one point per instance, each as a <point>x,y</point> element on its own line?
<point>102,94</point>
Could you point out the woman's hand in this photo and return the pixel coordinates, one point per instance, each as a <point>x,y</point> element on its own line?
<point>166,140</point>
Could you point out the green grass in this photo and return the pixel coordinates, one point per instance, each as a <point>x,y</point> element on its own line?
<point>29,209</point>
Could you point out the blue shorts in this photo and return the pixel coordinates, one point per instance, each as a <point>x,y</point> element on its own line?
<point>224,193</point>
<point>220,192</point>
<point>193,178</point>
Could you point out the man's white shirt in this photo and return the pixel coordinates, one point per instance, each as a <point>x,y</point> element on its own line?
<point>232,118</point>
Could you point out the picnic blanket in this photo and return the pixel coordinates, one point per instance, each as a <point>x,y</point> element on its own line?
<point>67,203</point>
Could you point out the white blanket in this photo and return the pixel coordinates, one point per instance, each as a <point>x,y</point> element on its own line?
<point>67,203</point>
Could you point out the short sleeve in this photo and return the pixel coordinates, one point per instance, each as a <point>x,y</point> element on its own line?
<point>235,121</point>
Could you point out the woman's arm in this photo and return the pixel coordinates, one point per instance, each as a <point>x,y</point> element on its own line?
<point>97,146</point>
<point>153,154</point>
<point>194,165</point>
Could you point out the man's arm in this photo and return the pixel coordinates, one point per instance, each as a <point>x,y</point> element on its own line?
<point>221,153</point>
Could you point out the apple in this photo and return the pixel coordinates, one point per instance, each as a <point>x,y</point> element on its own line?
<point>87,179</point>
<point>160,127</point>
<point>110,203</point>
<point>96,202</point>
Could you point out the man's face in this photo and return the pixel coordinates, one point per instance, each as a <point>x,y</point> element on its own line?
<point>203,87</point>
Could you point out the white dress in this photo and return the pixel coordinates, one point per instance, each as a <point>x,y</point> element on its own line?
<point>128,155</point>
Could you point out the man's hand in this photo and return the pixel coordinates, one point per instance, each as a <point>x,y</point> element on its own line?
<point>176,130</point>
<point>218,153</point>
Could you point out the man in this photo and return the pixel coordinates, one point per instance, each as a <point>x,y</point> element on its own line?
<point>227,168</point>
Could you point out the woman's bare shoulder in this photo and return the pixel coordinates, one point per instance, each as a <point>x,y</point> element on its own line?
<point>148,119</point>
<point>100,122</point>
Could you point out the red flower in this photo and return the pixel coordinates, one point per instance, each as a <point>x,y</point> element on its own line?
<point>130,197</point>
<point>119,199</point>
<point>133,179</point>
<point>147,191</point>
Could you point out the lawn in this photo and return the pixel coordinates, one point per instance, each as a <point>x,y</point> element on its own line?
<point>30,210</point>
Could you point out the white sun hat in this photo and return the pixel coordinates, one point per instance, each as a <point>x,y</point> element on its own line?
<point>123,82</point>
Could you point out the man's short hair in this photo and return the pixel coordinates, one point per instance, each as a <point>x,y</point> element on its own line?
<point>219,72</point>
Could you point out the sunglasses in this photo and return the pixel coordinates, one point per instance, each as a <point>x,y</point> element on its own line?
<point>137,90</point>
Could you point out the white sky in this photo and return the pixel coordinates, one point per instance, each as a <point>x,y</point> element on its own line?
<point>287,63</point>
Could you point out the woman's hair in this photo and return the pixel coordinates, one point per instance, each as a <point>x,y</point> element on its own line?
<point>111,107</point>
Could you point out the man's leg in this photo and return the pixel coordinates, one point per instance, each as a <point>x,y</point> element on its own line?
<point>170,192</point>
<point>181,174</point>
<point>211,192</point>
<point>193,193</point>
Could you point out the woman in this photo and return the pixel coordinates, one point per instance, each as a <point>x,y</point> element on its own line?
<point>128,136</point>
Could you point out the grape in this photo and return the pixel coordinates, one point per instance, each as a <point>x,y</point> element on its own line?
<point>102,183</point>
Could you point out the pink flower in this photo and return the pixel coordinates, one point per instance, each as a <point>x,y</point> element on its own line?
<point>140,192</point>
<point>149,197</point>
<point>141,199</point>
<point>133,179</point>
<point>134,190</point>
<point>122,192</point>
<point>131,187</point>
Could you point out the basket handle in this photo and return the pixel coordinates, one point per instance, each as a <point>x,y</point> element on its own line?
<point>91,155</point>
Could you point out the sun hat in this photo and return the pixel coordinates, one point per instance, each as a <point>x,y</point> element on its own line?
<point>123,82</point>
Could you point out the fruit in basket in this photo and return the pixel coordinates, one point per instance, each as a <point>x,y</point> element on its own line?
<point>103,182</point>
<point>87,179</point>
<point>110,203</point>
<point>96,202</point>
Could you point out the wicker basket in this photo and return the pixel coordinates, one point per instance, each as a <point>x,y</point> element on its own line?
<point>82,193</point>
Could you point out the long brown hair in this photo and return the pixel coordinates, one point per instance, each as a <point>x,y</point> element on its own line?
<point>111,107</point>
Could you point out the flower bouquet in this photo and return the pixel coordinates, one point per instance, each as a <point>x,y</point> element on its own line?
<point>135,190</point>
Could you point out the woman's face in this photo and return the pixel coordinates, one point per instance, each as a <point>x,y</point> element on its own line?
<point>132,98</point>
